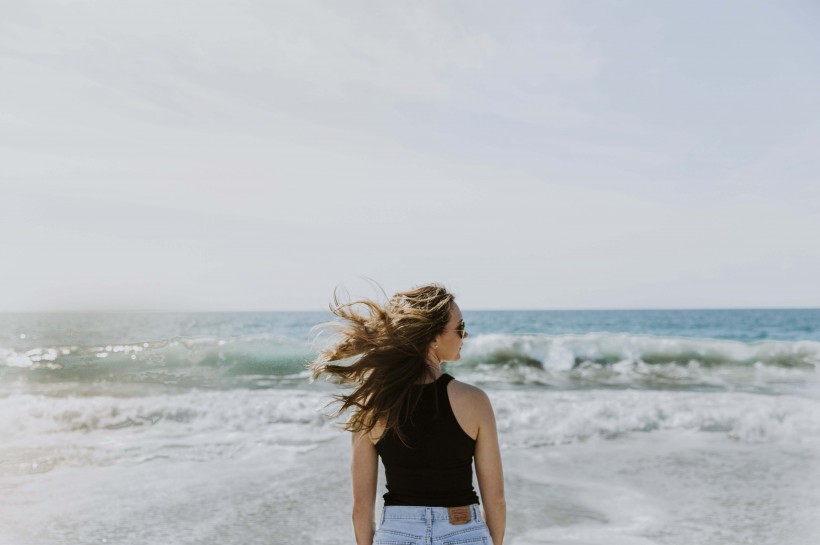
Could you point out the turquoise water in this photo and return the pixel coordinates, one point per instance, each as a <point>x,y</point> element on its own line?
<point>27,331</point>
<point>746,325</point>
<point>756,350</point>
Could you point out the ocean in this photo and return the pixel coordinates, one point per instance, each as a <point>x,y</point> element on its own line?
<point>616,427</point>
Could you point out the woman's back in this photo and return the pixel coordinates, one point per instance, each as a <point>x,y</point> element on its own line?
<point>433,466</point>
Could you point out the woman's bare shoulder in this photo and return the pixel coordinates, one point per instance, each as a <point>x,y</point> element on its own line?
<point>467,390</point>
<point>376,432</point>
<point>471,398</point>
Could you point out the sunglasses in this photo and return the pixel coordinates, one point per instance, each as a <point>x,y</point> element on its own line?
<point>461,330</point>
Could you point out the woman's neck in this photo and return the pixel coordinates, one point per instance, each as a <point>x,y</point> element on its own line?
<point>433,371</point>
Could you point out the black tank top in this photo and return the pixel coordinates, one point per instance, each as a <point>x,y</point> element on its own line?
<point>438,470</point>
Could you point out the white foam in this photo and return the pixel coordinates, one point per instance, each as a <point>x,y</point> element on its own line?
<point>560,352</point>
<point>534,418</point>
<point>199,425</point>
<point>620,360</point>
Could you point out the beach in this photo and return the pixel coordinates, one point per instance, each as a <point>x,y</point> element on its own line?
<point>619,427</point>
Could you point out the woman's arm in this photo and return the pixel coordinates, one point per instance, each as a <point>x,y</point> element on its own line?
<point>364,472</point>
<point>488,469</point>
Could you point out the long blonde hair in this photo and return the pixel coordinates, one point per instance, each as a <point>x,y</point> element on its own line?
<point>388,346</point>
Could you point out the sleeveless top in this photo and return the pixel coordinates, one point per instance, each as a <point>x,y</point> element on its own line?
<point>437,469</point>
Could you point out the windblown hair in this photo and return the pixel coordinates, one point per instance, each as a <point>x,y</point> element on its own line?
<point>387,346</point>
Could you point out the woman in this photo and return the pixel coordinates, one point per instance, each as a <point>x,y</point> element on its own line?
<point>427,427</point>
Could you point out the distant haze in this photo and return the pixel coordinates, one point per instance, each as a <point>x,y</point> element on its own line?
<point>254,155</point>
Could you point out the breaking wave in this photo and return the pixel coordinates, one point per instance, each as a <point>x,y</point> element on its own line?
<point>554,361</point>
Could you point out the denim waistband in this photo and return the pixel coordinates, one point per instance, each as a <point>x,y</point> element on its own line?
<point>417,512</point>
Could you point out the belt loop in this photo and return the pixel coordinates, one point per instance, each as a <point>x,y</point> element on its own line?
<point>476,513</point>
<point>381,522</point>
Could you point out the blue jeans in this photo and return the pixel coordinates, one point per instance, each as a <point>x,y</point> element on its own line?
<point>415,525</point>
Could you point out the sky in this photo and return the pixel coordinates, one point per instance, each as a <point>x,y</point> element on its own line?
<point>254,155</point>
